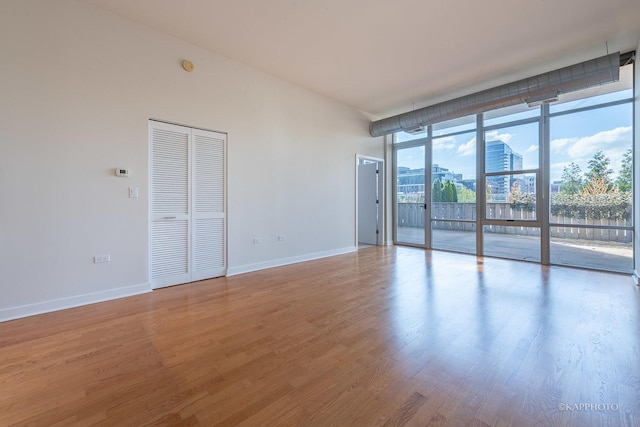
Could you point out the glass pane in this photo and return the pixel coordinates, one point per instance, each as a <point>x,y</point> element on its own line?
<point>600,249</point>
<point>510,114</point>
<point>453,177</point>
<point>592,167</point>
<point>512,148</point>
<point>405,136</point>
<point>522,243</point>
<point>623,89</point>
<point>454,236</point>
<point>410,197</point>
<point>611,209</point>
<point>455,125</point>
<point>453,191</point>
<point>452,210</point>
<point>511,197</point>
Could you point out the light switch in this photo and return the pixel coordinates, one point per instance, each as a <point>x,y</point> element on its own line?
<point>133,192</point>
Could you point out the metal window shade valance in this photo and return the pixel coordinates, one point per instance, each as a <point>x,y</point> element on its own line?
<point>549,85</point>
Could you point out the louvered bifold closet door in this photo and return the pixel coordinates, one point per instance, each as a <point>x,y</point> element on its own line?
<point>208,215</point>
<point>170,204</point>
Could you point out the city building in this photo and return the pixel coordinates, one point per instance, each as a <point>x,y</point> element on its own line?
<point>444,174</point>
<point>499,158</point>
<point>412,180</point>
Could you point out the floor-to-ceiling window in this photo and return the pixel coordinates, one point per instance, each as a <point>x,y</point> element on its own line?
<point>551,184</point>
<point>453,185</point>
<point>511,222</point>
<point>591,179</point>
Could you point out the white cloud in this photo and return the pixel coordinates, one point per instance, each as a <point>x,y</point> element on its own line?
<point>606,140</point>
<point>588,145</point>
<point>580,150</point>
<point>469,148</point>
<point>532,148</point>
<point>445,143</point>
<point>495,135</point>
<point>560,143</point>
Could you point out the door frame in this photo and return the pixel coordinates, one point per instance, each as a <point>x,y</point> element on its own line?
<point>420,142</point>
<point>381,198</point>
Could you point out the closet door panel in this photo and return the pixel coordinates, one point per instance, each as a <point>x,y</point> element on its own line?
<point>170,204</point>
<point>209,202</point>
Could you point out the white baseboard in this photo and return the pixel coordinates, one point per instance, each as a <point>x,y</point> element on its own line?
<point>70,302</point>
<point>232,271</point>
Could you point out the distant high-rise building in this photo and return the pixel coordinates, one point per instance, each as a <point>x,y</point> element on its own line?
<point>499,157</point>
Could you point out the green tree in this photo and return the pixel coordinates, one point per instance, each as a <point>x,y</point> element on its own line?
<point>449,193</point>
<point>466,196</point>
<point>571,179</point>
<point>625,177</point>
<point>436,191</point>
<point>599,172</point>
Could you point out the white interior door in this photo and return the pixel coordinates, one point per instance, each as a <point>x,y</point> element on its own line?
<point>368,203</point>
<point>188,222</point>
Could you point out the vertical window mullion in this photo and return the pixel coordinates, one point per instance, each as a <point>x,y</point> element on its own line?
<point>543,193</point>
<point>481,194</point>
<point>428,152</point>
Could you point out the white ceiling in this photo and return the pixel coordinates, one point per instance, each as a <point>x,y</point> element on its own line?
<point>389,56</point>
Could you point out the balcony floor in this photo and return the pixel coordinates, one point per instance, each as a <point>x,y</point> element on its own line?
<point>599,255</point>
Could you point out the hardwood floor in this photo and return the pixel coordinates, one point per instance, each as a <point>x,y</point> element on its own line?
<point>385,336</point>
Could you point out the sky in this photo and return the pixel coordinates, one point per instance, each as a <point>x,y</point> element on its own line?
<point>574,138</point>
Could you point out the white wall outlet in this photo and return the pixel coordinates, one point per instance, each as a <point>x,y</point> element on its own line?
<point>134,192</point>
<point>257,240</point>
<point>98,259</point>
<point>282,237</point>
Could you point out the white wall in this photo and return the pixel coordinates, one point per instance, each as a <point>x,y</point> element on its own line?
<point>78,87</point>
